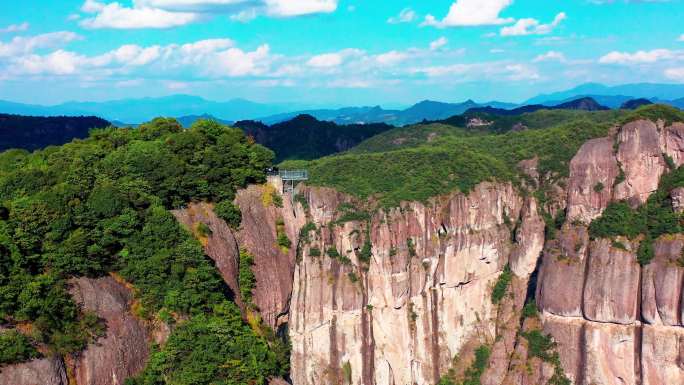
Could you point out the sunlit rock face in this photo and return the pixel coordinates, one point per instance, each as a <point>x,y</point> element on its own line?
<point>616,322</point>
<point>401,320</point>
<point>425,291</point>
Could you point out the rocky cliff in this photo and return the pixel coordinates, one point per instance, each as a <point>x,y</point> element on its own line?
<point>423,293</point>
<point>121,353</point>
<point>406,295</point>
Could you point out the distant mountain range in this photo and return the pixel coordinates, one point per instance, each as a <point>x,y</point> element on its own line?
<point>134,111</point>
<point>584,104</point>
<point>188,109</point>
<point>425,110</point>
<point>615,96</point>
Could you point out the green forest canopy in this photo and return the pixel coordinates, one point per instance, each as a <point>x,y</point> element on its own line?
<point>101,205</point>
<point>419,162</point>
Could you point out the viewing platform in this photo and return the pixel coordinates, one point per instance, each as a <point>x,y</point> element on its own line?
<point>286,180</point>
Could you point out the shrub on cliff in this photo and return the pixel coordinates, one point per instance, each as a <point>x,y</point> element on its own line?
<point>15,347</point>
<point>652,219</point>
<point>212,349</point>
<point>230,213</point>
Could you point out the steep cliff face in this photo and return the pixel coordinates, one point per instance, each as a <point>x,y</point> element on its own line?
<point>121,353</point>
<point>616,322</point>
<point>400,316</point>
<point>425,293</point>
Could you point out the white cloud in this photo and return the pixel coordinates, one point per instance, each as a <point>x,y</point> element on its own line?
<point>529,26</point>
<point>245,16</point>
<point>130,55</point>
<point>638,57</point>
<point>332,59</point>
<point>675,74</point>
<point>23,45</point>
<point>235,62</point>
<point>15,28</point>
<point>439,43</point>
<point>173,85</point>
<point>461,72</point>
<point>128,83</point>
<point>391,58</point>
<point>681,38</point>
<point>471,13</point>
<point>289,8</point>
<point>517,72</point>
<point>496,50</point>
<point>325,60</point>
<point>406,15</point>
<point>57,63</point>
<point>550,56</point>
<point>115,16</point>
<point>349,83</point>
<point>213,58</point>
<point>174,13</point>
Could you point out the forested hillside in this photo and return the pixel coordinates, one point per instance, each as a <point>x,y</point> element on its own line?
<point>100,206</point>
<point>305,137</point>
<point>426,160</point>
<point>34,132</point>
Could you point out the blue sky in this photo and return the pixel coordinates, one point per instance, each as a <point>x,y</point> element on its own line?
<point>333,52</point>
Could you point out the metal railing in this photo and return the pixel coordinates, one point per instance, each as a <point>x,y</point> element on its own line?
<point>294,174</point>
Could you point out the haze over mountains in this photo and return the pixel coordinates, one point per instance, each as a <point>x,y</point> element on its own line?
<point>189,108</point>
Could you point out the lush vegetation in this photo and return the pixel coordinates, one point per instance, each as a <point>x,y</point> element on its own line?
<point>651,220</point>
<point>229,212</point>
<point>543,347</point>
<point>473,373</point>
<point>15,347</point>
<point>246,277</point>
<point>422,161</point>
<point>213,349</point>
<point>99,206</point>
<point>305,137</point>
<point>501,285</point>
<point>424,165</point>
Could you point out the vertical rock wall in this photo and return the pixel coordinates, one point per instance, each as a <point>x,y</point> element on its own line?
<point>403,316</point>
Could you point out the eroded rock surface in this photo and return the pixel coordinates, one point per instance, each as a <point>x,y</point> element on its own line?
<point>46,371</point>
<point>425,291</point>
<point>123,351</point>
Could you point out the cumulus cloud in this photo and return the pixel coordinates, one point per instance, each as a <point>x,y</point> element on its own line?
<point>529,26</point>
<point>476,71</point>
<point>116,16</point>
<point>406,15</point>
<point>391,58</point>
<point>681,37</point>
<point>550,56</point>
<point>325,60</point>
<point>439,43</point>
<point>235,62</point>
<point>332,59</point>
<point>15,28</point>
<point>23,45</point>
<point>676,74</point>
<point>289,8</point>
<point>213,58</point>
<point>638,57</point>
<point>471,13</point>
<point>174,13</point>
